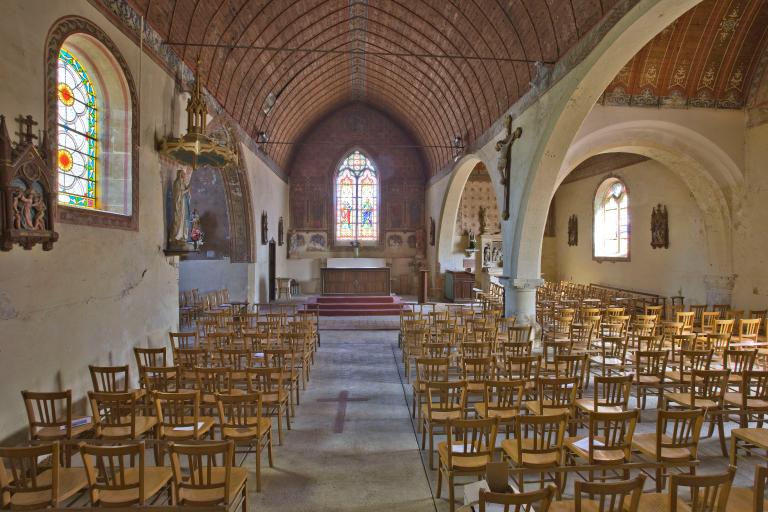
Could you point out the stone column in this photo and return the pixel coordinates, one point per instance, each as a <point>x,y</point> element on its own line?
<point>719,288</point>
<point>520,296</point>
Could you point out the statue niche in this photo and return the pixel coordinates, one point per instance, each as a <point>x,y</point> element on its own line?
<point>27,200</point>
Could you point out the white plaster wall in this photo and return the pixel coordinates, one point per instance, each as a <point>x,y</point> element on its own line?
<point>211,275</point>
<point>268,193</point>
<point>677,270</point>
<point>99,292</point>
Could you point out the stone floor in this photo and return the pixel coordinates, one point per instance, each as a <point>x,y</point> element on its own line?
<point>353,445</point>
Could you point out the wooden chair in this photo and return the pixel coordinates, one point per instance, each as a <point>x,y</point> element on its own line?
<point>476,371</point>
<point>26,484</point>
<point>114,480</point>
<point>241,421</point>
<point>166,379</point>
<point>214,381</point>
<point>611,394</point>
<point>707,390</point>
<point>537,445</point>
<point>467,450</point>
<point>149,357</point>
<point>181,340</point>
<point>49,416</point>
<point>554,396</point>
<point>650,372</point>
<point>708,319</point>
<point>612,356</point>
<point>179,419</point>
<point>698,311</point>
<point>110,379</point>
<point>752,399</point>
<point>501,400</point>
<point>748,329</point>
<point>608,443</point>
<point>690,361</point>
<point>687,318</point>
<point>540,500</point>
<point>738,362</point>
<point>268,382</point>
<point>680,447</point>
<point>428,369</point>
<point>623,496</point>
<point>708,493</point>
<point>116,416</point>
<point>753,498</point>
<point>445,401</point>
<point>525,369</point>
<point>211,479</point>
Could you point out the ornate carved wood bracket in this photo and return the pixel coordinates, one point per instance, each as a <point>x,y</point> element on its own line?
<point>27,199</point>
<point>504,147</point>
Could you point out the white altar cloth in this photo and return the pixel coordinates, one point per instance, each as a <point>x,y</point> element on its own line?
<point>356,263</point>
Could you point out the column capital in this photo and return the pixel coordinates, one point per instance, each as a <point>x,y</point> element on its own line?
<point>522,283</point>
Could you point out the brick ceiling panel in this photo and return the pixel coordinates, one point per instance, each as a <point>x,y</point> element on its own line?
<point>440,67</point>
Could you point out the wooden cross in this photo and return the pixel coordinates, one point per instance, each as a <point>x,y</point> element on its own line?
<point>504,147</point>
<point>341,412</point>
<point>25,130</point>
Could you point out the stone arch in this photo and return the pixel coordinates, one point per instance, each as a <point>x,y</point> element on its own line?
<point>707,171</point>
<point>556,120</point>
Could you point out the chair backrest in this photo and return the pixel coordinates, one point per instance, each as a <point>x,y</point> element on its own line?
<point>709,493</point>
<point>612,391</point>
<point>214,380</point>
<point>113,477</point>
<point>179,411</point>
<point>695,360</point>
<point>154,357</point>
<point>23,480</point>
<point>698,311</point>
<point>754,386</point>
<point>709,385</point>
<point>191,358</point>
<point>718,342</point>
<point>761,475</point>
<point>446,396</point>
<point>539,500</point>
<point>503,395</point>
<point>556,393</point>
<point>515,349</point>
<point>621,496</point>
<point>183,340</point>
<point>544,434</point>
<point>439,350</point>
<point>470,439</point>
<point>164,378</point>
<point>525,368</point>
<point>519,333</point>
<point>114,410</point>
<point>611,431</point>
<point>238,359</point>
<point>205,464</point>
<point>722,309</point>
<point>572,365</point>
<point>239,411</point>
<point>477,369</point>
<point>708,320</point>
<point>739,361</point>
<point>749,328</point>
<point>724,326</point>
<point>49,410</point>
<point>651,363</point>
<point>109,379</point>
<point>685,431</point>
<point>432,369</point>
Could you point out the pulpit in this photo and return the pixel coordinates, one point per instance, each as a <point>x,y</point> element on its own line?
<point>355,276</point>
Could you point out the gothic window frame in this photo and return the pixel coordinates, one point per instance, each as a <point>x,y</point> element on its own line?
<point>62,33</point>
<point>343,166</point>
<point>605,193</point>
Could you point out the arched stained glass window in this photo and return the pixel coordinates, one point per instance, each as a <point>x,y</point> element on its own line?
<point>611,235</point>
<point>77,135</point>
<point>357,200</point>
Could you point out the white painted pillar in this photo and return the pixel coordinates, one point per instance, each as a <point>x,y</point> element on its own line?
<point>521,298</point>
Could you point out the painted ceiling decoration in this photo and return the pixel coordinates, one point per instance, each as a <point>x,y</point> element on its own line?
<point>441,68</point>
<point>706,58</point>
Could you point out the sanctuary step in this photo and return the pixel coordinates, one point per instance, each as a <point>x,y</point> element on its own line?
<point>358,305</point>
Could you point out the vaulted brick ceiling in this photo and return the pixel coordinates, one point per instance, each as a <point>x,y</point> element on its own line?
<point>441,67</point>
<point>706,58</point>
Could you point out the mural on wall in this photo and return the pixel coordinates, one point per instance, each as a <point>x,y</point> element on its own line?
<point>573,230</point>
<point>317,242</point>
<point>478,194</point>
<point>395,240</point>
<point>659,227</point>
<point>317,215</point>
<point>493,254</point>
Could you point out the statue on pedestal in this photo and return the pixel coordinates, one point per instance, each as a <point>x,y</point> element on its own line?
<point>182,221</point>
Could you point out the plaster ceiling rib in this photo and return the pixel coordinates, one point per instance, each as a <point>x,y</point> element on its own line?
<point>441,68</point>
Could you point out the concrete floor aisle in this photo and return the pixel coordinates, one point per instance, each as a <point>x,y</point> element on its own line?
<point>352,445</point>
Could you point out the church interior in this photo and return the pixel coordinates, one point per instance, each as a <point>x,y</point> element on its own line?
<point>384,255</point>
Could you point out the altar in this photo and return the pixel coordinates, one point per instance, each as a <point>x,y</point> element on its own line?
<point>355,276</point>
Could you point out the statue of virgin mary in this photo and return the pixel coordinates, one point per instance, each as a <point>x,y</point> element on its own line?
<point>180,224</point>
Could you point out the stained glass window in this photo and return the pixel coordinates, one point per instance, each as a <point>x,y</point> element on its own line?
<point>77,133</point>
<point>611,220</point>
<point>357,199</point>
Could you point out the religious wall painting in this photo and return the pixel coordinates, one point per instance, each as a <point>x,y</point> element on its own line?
<point>316,213</point>
<point>573,230</point>
<point>27,200</point>
<point>431,231</point>
<point>264,228</point>
<point>297,242</point>
<point>415,213</point>
<point>280,233</point>
<point>660,227</point>
<point>396,214</point>
<point>317,241</point>
<point>394,241</point>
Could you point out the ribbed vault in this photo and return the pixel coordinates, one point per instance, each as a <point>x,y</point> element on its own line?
<point>441,67</point>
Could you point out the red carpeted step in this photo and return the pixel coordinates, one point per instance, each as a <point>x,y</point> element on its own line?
<point>358,305</point>
<point>351,299</point>
<point>358,312</point>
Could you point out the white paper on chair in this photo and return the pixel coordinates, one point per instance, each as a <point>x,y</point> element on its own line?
<point>489,507</point>
<point>459,448</point>
<point>190,428</point>
<point>583,444</point>
<point>79,422</point>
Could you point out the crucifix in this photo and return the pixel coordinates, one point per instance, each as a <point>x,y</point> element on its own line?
<point>25,130</point>
<point>504,147</point>
<point>341,412</point>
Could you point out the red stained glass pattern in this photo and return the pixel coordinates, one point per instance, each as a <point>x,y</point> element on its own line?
<point>357,200</point>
